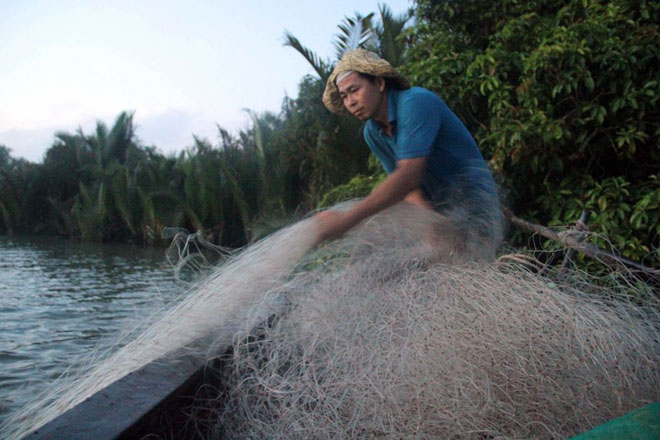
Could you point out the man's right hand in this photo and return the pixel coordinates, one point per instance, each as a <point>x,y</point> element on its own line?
<point>332,224</point>
<point>417,197</point>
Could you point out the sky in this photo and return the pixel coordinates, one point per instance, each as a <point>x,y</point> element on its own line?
<point>182,67</point>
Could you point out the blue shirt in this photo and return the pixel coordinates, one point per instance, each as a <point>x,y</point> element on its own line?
<point>423,126</point>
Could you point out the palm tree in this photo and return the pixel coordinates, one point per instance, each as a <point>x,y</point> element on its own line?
<point>212,199</point>
<point>322,68</point>
<point>158,179</point>
<point>109,202</point>
<point>384,38</point>
<point>389,40</point>
<point>23,192</point>
<point>11,213</point>
<point>113,144</point>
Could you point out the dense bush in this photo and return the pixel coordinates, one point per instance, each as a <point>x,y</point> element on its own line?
<point>562,97</point>
<point>359,186</point>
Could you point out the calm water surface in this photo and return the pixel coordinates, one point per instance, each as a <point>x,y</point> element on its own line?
<point>59,299</point>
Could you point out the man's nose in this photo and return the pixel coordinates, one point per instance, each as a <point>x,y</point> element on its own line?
<point>351,101</point>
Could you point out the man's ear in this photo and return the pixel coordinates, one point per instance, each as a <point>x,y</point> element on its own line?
<point>380,82</point>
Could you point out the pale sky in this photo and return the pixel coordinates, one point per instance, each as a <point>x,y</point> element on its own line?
<point>181,66</point>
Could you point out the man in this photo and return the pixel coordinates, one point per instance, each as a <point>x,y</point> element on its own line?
<point>430,157</point>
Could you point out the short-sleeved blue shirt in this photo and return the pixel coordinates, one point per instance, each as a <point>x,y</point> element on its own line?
<point>423,126</point>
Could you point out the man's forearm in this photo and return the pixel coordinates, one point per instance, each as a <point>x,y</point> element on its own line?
<point>392,190</point>
<point>406,178</point>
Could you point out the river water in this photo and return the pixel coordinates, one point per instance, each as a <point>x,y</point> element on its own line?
<point>60,299</point>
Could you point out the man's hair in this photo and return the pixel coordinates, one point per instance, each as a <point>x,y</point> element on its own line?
<point>371,78</point>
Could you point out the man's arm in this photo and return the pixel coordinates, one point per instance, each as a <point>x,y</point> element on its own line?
<point>416,196</point>
<point>406,178</point>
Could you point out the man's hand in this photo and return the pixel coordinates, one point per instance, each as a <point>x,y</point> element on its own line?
<point>405,179</point>
<point>417,197</point>
<point>332,225</point>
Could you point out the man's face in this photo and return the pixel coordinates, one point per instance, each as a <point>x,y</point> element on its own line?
<point>362,97</point>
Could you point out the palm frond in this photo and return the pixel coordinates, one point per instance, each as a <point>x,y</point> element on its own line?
<point>238,196</point>
<point>120,137</point>
<point>390,44</point>
<point>321,67</point>
<point>355,32</point>
<point>123,193</point>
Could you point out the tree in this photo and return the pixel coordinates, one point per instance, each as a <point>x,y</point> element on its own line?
<point>562,96</point>
<point>389,34</point>
<point>22,193</point>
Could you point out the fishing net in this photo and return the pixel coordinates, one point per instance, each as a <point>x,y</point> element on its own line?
<point>405,328</point>
<point>391,336</point>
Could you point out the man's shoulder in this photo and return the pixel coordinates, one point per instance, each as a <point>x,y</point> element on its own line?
<point>418,96</point>
<point>416,92</point>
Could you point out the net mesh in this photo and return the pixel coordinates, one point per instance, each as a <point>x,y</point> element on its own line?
<point>402,329</point>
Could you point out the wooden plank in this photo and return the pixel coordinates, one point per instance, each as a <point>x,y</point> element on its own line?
<point>150,400</point>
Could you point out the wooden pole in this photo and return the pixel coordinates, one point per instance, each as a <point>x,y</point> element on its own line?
<point>586,248</point>
<point>580,229</point>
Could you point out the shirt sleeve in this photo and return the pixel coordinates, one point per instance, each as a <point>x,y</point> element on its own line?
<point>419,121</point>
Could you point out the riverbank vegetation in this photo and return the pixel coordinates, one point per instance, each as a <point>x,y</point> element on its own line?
<point>561,96</point>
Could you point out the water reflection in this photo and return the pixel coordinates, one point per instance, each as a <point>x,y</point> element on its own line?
<point>59,299</point>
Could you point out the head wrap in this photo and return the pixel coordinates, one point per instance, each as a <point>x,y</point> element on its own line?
<point>362,61</point>
<point>343,75</point>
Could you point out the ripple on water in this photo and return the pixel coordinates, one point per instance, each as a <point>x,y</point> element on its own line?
<point>59,299</point>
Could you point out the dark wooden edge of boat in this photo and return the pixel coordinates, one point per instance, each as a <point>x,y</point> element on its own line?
<point>154,402</point>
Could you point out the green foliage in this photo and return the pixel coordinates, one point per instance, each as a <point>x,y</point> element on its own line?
<point>106,208</point>
<point>104,186</point>
<point>562,97</point>
<point>390,41</point>
<point>322,68</point>
<point>90,213</point>
<point>624,215</point>
<point>358,186</point>
<point>22,185</point>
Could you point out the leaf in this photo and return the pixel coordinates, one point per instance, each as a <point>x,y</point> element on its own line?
<point>556,90</point>
<point>320,66</point>
<point>589,82</point>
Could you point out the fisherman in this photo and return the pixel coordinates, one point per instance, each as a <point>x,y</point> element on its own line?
<point>430,157</point>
